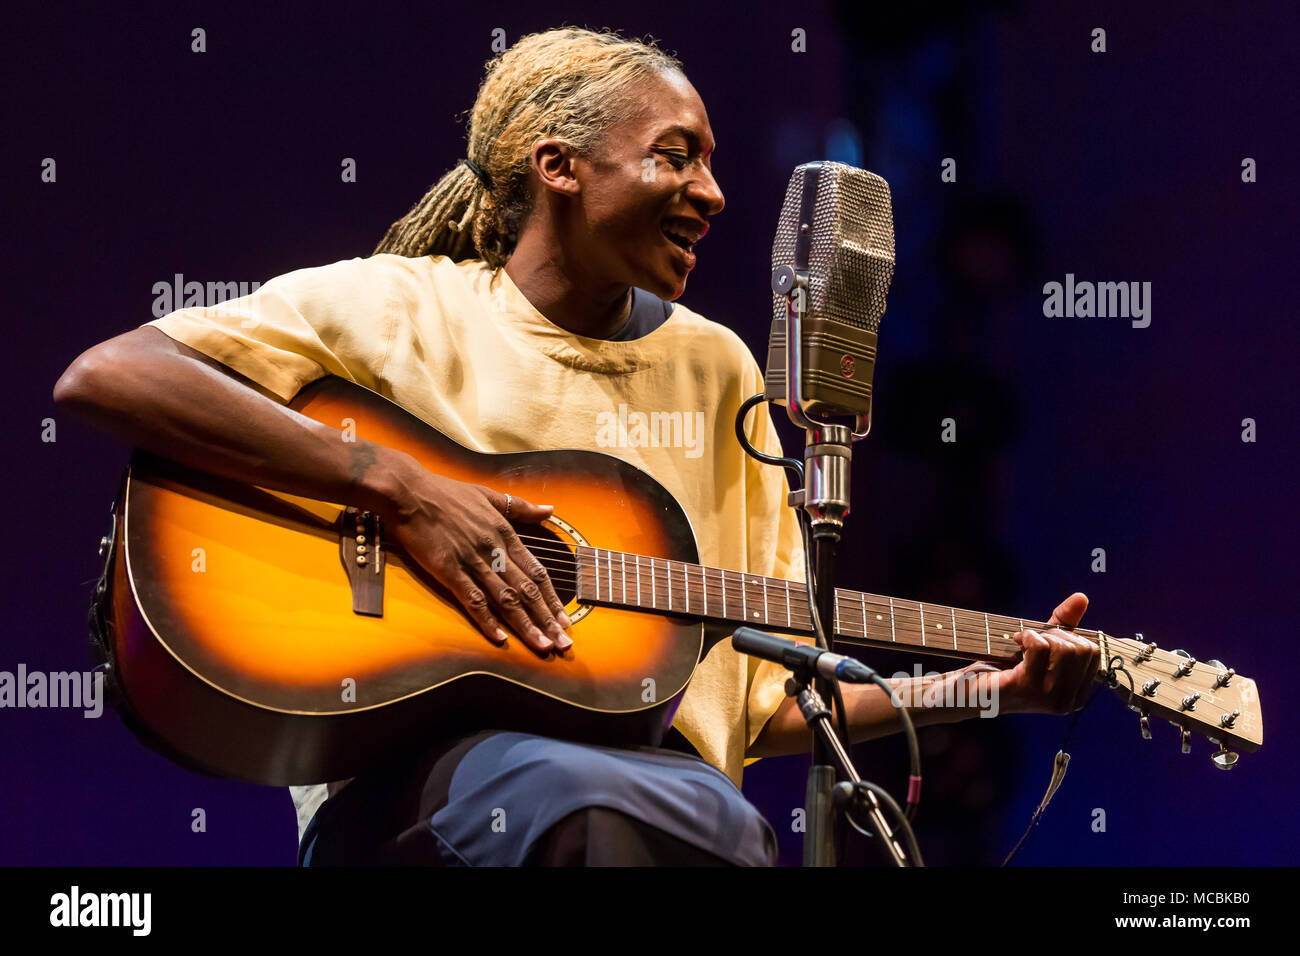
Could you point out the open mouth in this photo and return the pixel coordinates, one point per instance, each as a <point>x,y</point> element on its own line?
<point>676,238</point>
<point>684,233</point>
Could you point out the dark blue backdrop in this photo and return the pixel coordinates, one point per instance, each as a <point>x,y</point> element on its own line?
<point>1073,434</point>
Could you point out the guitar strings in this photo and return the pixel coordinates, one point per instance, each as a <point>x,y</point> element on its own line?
<point>551,546</point>
<point>850,624</point>
<point>561,564</point>
<point>849,609</point>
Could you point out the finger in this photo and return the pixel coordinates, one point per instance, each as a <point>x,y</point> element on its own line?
<point>1069,612</point>
<point>508,590</point>
<point>1037,656</point>
<point>531,566</point>
<point>1073,656</point>
<point>536,605</point>
<point>522,571</point>
<point>506,603</point>
<point>520,508</point>
<point>1073,659</point>
<point>510,605</point>
<point>1078,640</point>
<point>1091,667</point>
<point>474,600</point>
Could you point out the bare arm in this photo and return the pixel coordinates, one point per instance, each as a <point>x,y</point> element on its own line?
<point>153,392</point>
<point>1054,676</point>
<point>158,394</point>
<point>871,714</point>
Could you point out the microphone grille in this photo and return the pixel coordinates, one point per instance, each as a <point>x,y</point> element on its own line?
<point>851,252</point>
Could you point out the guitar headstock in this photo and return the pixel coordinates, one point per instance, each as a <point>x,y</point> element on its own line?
<point>1205,697</point>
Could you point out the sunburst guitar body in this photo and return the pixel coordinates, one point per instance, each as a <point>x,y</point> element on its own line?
<point>277,639</point>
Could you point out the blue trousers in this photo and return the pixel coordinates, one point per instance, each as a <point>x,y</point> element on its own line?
<point>499,798</point>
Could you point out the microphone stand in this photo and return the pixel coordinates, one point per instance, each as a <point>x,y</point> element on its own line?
<point>818,717</point>
<point>825,498</point>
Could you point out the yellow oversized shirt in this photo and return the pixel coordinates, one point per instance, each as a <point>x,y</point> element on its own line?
<point>459,346</point>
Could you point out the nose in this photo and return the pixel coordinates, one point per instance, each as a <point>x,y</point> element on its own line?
<point>706,192</point>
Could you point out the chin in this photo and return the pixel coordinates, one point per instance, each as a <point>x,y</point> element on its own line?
<point>667,289</point>
<point>664,279</point>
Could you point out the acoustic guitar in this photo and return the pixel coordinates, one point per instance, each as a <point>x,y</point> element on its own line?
<point>277,639</point>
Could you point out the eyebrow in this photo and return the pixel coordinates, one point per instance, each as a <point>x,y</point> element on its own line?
<point>692,138</point>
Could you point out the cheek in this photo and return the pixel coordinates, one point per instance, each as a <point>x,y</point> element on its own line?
<point>628,209</point>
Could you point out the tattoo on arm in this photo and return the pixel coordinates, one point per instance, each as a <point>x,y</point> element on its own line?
<point>360,460</point>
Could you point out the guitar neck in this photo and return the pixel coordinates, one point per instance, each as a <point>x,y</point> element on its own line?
<point>620,579</point>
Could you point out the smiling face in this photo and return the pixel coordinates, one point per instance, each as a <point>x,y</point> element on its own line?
<point>646,198</point>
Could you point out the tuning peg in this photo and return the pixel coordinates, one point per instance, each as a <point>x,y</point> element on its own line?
<point>1189,702</point>
<point>1224,758</point>
<point>1224,677</point>
<point>1187,741</point>
<point>1186,665</point>
<point>1145,653</point>
<point>1145,723</point>
<point>1227,720</point>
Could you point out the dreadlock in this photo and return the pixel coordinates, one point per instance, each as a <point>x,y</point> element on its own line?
<point>570,84</point>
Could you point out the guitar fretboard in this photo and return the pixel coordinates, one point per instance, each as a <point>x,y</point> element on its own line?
<point>620,579</point>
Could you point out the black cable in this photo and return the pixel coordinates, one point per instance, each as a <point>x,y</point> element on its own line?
<point>913,745</point>
<point>820,638</point>
<point>904,826</point>
<point>794,464</point>
<point>823,642</point>
<point>909,728</point>
<point>1069,732</point>
<point>819,632</point>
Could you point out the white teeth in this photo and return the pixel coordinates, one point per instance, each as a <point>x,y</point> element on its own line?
<point>684,242</point>
<point>686,239</point>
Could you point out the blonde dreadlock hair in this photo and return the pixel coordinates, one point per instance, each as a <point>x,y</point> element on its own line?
<point>570,84</point>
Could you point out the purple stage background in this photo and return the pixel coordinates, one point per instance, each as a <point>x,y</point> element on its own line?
<point>1072,434</point>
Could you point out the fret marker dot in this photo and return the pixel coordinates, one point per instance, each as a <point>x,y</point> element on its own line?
<point>1006,635</point>
<point>878,617</point>
<point>938,627</point>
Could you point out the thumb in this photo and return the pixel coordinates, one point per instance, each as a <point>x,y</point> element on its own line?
<point>1070,611</point>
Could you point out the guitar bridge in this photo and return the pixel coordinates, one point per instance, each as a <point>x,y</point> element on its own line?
<point>361,549</point>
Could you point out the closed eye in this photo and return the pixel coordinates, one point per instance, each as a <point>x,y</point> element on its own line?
<point>679,160</point>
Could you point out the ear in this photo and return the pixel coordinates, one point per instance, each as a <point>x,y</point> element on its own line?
<point>553,163</point>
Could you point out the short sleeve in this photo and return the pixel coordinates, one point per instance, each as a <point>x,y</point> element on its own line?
<point>775,550</point>
<point>334,319</point>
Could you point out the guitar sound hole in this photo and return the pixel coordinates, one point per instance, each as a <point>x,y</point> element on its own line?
<point>556,556</point>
